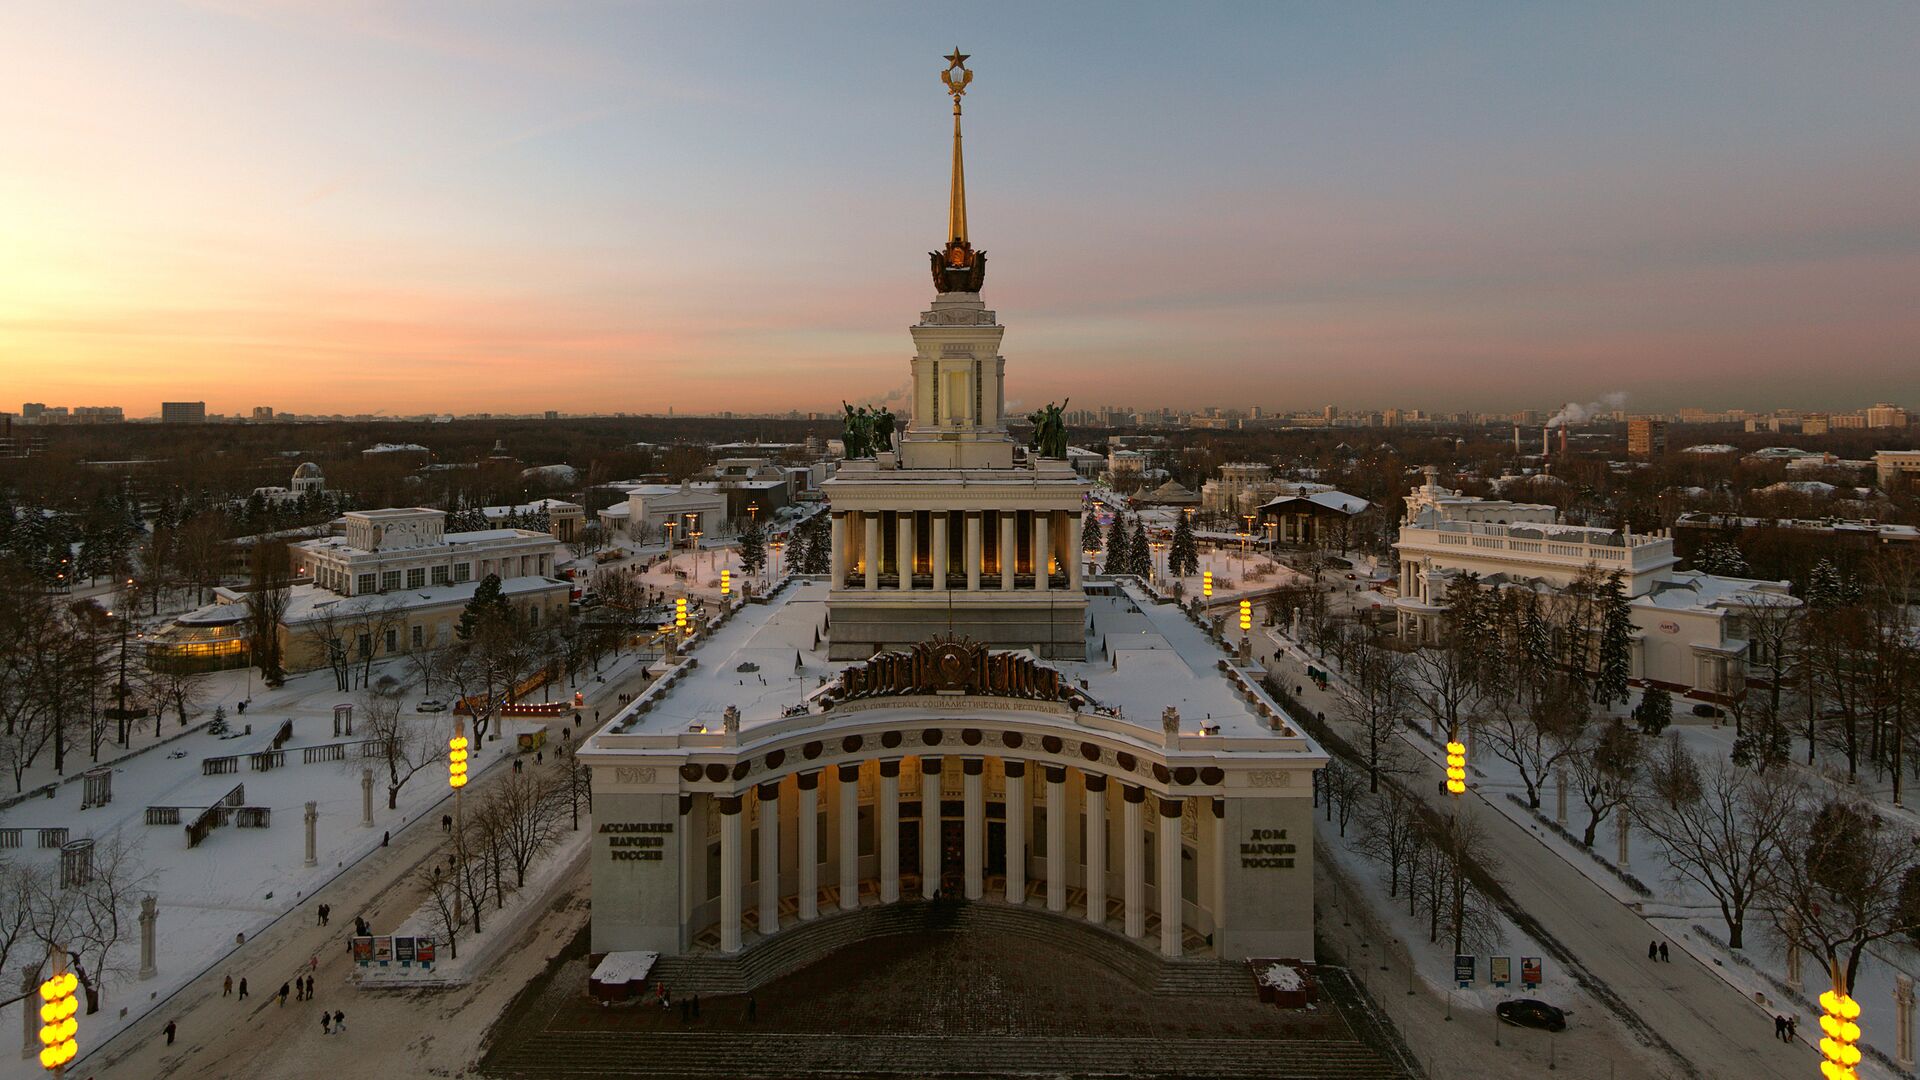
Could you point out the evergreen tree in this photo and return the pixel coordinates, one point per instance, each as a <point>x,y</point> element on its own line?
<point>1118,541</point>
<point>1090,533</point>
<point>753,547</point>
<point>1654,712</point>
<point>218,725</point>
<point>813,547</point>
<point>1616,642</point>
<point>1721,557</point>
<point>1183,559</point>
<point>1826,589</point>
<point>1139,552</point>
<point>488,605</point>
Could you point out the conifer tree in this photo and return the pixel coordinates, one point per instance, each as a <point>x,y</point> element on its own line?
<point>1118,541</point>
<point>1616,642</point>
<point>1183,559</point>
<point>753,547</point>
<point>1139,553</point>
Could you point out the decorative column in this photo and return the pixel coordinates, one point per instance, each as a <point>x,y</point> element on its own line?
<point>849,837</point>
<point>806,824</point>
<point>839,549</point>
<point>889,831</point>
<point>940,557</point>
<point>1042,548</point>
<point>1221,851</point>
<point>1075,555</point>
<point>1016,832</point>
<point>974,827</point>
<point>1560,794</point>
<point>1170,905</point>
<point>148,913</point>
<point>1056,838</point>
<point>1134,863</point>
<point>313,815</point>
<point>1096,849</point>
<point>929,826</point>
<point>769,858</point>
<point>1903,1020</point>
<point>1008,556</point>
<point>366,798</point>
<point>973,551</point>
<point>1625,829</point>
<point>903,547</point>
<point>729,806</point>
<point>870,549</point>
<point>685,825</point>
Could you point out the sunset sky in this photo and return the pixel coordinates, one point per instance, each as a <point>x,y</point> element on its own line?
<point>331,206</point>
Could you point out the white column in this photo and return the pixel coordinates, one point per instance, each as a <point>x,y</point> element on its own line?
<point>870,549</point>
<point>839,550</point>
<point>1134,865</point>
<point>313,815</point>
<point>1075,556</point>
<point>973,551</point>
<point>889,831</point>
<point>806,824</point>
<point>940,559</point>
<point>1170,905</point>
<point>729,873</point>
<point>849,837</point>
<point>1056,838</point>
<point>1096,849</point>
<point>686,867</point>
<point>1042,547</point>
<point>1218,816</point>
<point>769,858</point>
<point>929,826</point>
<point>1008,557</point>
<point>1016,830</point>
<point>903,553</point>
<point>974,830</point>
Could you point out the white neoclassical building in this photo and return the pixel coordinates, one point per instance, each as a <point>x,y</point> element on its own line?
<point>955,712</point>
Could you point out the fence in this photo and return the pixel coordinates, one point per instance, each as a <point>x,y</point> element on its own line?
<point>266,759</point>
<point>215,816</point>
<point>216,766</point>
<point>281,737</point>
<point>48,838</point>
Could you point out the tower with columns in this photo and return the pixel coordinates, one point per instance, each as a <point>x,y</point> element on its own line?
<point>957,530</point>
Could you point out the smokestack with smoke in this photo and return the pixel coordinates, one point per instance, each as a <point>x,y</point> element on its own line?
<point>1571,413</point>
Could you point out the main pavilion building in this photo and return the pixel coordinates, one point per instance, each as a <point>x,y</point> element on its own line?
<point>957,710</point>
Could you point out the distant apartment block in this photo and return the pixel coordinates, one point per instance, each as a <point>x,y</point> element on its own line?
<point>1646,438</point>
<point>183,412</point>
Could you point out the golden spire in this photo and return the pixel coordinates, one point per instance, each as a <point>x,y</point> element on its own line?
<point>956,77</point>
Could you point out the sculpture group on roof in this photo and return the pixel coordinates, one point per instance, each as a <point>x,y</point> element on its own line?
<point>868,430</point>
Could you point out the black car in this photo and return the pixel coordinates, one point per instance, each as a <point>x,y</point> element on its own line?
<point>1526,1012</point>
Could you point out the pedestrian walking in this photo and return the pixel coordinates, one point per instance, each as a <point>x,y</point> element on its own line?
<point>309,988</point>
<point>326,912</point>
<point>1780,1027</point>
<point>169,1033</point>
<point>326,1022</point>
<point>299,989</point>
<point>1793,1028</point>
<point>339,1022</point>
<point>386,838</point>
<point>1653,950</point>
<point>753,1009</point>
<point>1664,958</point>
<point>313,962</point>
<point>446,822</point>
<point>243,988</point>
<point>320,915</point>
<point>283,995</point>
<point>226,987</point>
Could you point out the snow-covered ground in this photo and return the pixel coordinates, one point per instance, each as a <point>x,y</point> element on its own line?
<point>238,880</point>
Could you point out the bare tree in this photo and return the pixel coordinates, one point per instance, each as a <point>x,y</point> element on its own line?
<point>528,806</point>
<point>1604,768</point>
<point>322,633</point>
<point>1673,775</point>
<point>443,892</point>
<point>1374,696</point>
<point>1466,855</point>
<point>1730,838</point>
<point>1389,824</point>
<point>406,744</point>
<point>270,572</point>
<point>1837,890</point>
<point>1340,786</point>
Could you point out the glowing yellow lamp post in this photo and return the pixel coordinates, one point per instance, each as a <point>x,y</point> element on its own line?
<point>1246,616</point>
<point>1456,767</point>
<point>726,582</point>
<point>457,760</point>
<point>1842,1032</point>
<point>680,614</point>
<point>1206,584</point>
<point>57,1025</point>
<point>457,779</point>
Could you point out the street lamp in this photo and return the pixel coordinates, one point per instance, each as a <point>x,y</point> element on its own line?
<point>457,779</point>
<point>1158,546</point>
<point>774,547</point>
<point>693,542</point>
<point>1456,767</point>
<point>57,1025</point>
<point>1206,585</point>
<point>1840,1023</point>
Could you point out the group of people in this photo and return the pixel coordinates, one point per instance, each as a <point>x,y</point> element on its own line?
<point>690,1005</point>
<point>1657,950</point>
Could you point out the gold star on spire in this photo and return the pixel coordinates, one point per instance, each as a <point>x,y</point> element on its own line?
<point>956,59</point>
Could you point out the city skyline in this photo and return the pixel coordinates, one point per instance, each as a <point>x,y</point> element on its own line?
<point>350,210</point>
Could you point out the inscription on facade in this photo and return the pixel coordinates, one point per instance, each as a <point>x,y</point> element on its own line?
<point>1266,849</point>
<point>637,841</point>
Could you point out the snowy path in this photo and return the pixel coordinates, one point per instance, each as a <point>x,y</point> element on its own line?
<point>1702,1020</point>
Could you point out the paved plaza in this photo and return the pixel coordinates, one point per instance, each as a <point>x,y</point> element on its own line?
<point>936,1003</point>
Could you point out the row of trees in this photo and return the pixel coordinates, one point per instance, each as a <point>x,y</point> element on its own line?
<point>503,833</point>
<point>88,918</point>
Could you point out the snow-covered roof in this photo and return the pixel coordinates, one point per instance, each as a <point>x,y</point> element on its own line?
<point>395,448</point>
<point>1711,448</point>
<point>1693,590</point>
<point>1338,501</point>
<point>307,602</point>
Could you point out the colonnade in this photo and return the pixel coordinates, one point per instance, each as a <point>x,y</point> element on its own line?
<point>938,549</point>
<point>1138,807</point>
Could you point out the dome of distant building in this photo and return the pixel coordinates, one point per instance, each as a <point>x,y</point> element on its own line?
<point>306,470</point>
<point>307,477</point>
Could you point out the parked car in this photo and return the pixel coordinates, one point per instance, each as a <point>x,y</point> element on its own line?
<point>1528,1012</point>
<point>432,705</point>
<point>1703,709</point>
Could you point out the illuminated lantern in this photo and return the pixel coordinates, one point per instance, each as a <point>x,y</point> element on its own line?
<point>1206,584</point>
<point>1841,1034</point>
<point>1456,768</point>
<point>1246,615</point>
<point>680,612</point>
<point>457,761</point>
<point>57,1025</point>
<point>726,582</point>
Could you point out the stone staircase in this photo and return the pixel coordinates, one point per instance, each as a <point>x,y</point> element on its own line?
<point>765,959</point>
<point>551,1056</point>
